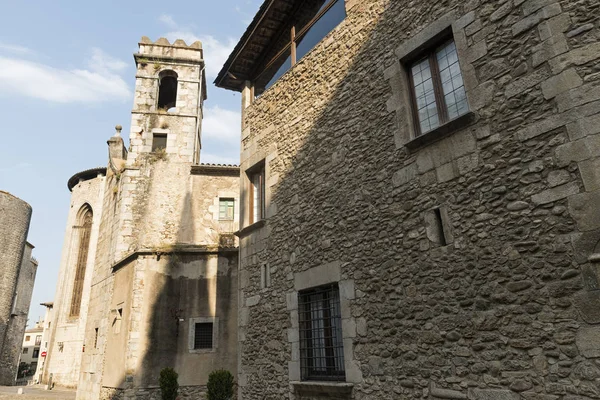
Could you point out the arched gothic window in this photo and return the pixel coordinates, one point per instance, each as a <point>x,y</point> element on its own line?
<point>167,89</point>
<point>85,229</point>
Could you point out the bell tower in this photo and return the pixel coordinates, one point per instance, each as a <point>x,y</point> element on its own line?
<point>170,89</point>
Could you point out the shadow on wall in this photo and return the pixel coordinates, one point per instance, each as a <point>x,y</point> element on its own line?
<point>337,200</point>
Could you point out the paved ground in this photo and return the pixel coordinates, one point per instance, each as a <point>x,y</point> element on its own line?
<point>35,393</point>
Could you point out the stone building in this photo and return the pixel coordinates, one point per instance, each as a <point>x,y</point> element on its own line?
<point>17,275</point>
<point>31,349</point>
<point>46,340</point>
<point>419,195</point>
<point>148,276</point>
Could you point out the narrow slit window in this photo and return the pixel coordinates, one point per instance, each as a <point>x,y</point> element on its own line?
<point>84,229</point>
<point>257,193</point>
<point>440,226</point>
<point>438,91</point>
<point>95,338</point>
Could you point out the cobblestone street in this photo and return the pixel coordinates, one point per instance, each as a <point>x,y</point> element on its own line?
<point>35,393</point>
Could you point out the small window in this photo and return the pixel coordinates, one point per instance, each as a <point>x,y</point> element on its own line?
<point>159,142</point>
<point>27,338</point>
<point>257,193</point>
<point>226,209</point>
<point>203,335</point>
<point>438,92</point>
<point>95,338</point>
<point>25,350</point>
<point>167,89</point>
<point>36,353</point>
<point>38,340</point>
<point>321,343</point>
<point>117,321</point>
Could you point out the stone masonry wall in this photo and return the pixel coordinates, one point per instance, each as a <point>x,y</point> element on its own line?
<point>15,216</point>
<point>65,351</point>
<point>508,308</point>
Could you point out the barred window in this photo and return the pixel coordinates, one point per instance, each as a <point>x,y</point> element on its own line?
<point>203,335</point>
<point>321,344</point>
<point>85,230</point>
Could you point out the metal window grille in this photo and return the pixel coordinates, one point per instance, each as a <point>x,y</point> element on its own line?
<point>203,335</point>
<point>321,343</point>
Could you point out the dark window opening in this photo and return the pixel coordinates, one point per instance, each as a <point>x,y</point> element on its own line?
<point>167,90</point>
<point>203,335</point>
<point>440,226</point>
<point>85,229</point>
<point>95,338</point>
<point>159,142</point>
<point>438,92</point>
<point>256,175</point>
<point>321,343</point>
<point>25,350</point>
<point>311,23</point>
<point>36,353</point>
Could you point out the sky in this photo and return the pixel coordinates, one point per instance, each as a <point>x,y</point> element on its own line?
<point>67,77</point>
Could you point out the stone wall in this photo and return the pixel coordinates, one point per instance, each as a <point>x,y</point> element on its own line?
<point>64,356</point>
<point>506,308</point>
<point>15,258</point>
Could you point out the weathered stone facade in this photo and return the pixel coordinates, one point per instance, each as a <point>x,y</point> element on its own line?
<point>17,275</point>
<point>164,258</point>
<point>506,307</point>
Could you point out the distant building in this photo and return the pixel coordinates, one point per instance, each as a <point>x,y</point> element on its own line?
<point>32,343</point>
<point>17,275</point>
<point>46,340</point>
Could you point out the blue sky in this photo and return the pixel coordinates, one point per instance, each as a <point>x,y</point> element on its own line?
<point>66,79</point>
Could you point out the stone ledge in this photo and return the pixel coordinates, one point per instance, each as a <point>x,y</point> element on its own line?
<point>250,228</point>
<point>441,132</point>
<point>334,390</point>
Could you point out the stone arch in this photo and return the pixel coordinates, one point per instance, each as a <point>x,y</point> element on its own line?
<point>167,89</point>
<point>83,229</point>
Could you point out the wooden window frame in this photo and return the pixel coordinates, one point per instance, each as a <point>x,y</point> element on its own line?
<point>227,199</point>
<point>295,37</point>
<point>429,52</point>
<point>258,169</point>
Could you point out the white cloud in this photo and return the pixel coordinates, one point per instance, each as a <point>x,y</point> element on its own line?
<point>12,48</point>
<point>216,51</point>
<point>221,125</point>
<point>99,82</point>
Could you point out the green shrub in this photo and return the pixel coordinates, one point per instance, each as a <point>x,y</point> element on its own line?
<point>220,385</point>
<point>168,384</point>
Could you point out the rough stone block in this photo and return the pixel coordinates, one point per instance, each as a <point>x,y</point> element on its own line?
<point>476,51</point>
<point>584,210</point>
<point>544,125</point>
<point>522,84</point>
<point>465,20</point>
<point>446,172</point>
<point>404,175</point>
<point>578,150</point>
<point>554,26</point>
<point>548,49</point>
<point>532,20</point>
<point>584,126</point>
<point>588,340</point>
<point>501,11</point>
<point>531,6</point>
<point>578,96</point>
<point>492,394</point>
<point>556,193</point>
<point>483,95</point>
<point>578,56</point>
<point>553,86</point>
<point>590,174</point>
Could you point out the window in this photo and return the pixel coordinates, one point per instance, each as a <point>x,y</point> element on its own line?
<point>225,209</point>
<point>25,350</point>
<point>159,142</point>
<point>438,92</point>
<point>95,338</point>
<point>167,89</point>
<point>203,335</point>
<point>315,19</point>
<point>117,321</point>
<point>85,229</point>
<point>257,193</point>
<point>320,326</point>
<point>38,340</point>
<point>36,353</point>
<point>27,338</point>
<point>265,276</point>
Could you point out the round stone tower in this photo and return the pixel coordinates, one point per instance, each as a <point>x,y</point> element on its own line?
<point>15,215</point>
